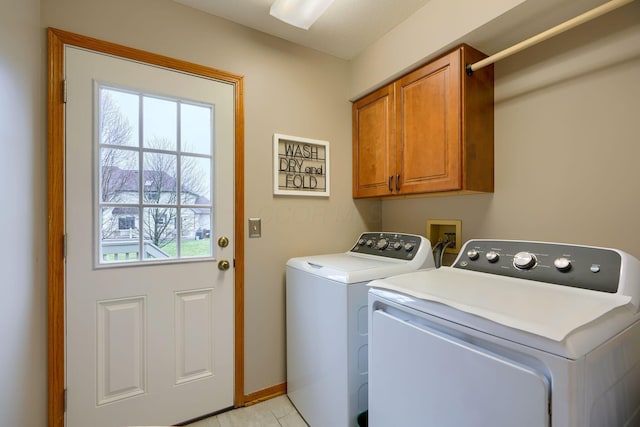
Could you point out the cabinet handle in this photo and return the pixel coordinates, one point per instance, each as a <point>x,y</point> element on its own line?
<point>398,182</point>
<point>390,187</point>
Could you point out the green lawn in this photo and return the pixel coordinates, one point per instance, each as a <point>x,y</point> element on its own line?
<point>190,248</point>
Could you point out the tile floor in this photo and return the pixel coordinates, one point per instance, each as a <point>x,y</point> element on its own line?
<point>276,412</point>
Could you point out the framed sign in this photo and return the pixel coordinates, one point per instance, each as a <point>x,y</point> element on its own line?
<point>300,166</point>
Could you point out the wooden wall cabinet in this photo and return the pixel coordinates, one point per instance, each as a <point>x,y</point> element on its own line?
<point>429,132</point>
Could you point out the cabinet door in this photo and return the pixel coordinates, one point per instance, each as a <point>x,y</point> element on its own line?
<point>428,135</point>
<point>373,144</point>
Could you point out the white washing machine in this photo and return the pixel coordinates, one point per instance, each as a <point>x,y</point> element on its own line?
<point>515,333</point>
<point>326,300</point>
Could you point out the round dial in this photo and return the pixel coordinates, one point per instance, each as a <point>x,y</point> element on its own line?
<point>370,243</point>
<point>562,264</point>
<point>409,247</point>
<point>397,246</point>
<point>524,260</point>
<point>361,242</point>
<point>382,244</point>
<point>473,254</point>
<point>493,256</point>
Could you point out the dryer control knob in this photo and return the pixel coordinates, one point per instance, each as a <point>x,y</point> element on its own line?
<point>370,243</point>
<point>409,246</point>
<point>397,246</point>
<point>493,256</point>
<point>562,264</point>
<point>382,244</point>
<point>524,260</point>
<point>473,254</point>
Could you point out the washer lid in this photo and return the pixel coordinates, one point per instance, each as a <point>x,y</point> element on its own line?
<point>543,309</point>
<point>352,268</point>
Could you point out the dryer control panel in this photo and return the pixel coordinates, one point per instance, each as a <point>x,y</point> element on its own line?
<point>563,264</point>
<point>390,245</point>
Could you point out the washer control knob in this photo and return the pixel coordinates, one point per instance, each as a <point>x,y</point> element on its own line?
<point>370,243</point>
<point>361,242</point>
<point>524,260</point>
<point>562,264</point>
<point>382,244</point>
<point>493,256</point>
<point>409,246</point>
<point>473,254</point>
<point>397,246</point>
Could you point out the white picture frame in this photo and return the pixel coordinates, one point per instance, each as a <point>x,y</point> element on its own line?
<point>300,166</point>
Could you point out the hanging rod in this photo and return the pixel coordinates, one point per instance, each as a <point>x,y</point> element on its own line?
<point>560,28</point>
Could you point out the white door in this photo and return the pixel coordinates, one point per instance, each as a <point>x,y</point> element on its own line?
<point>149,191</point>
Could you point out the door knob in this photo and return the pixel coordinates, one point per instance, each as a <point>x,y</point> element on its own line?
<point>223,265</point>
<point>223,242</point>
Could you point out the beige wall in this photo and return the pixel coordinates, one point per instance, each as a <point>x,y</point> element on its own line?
<point>23,259</point>
<point>567,145</point>
<point>288,89</point>
<point>440,25</point>
<point>429,31</point>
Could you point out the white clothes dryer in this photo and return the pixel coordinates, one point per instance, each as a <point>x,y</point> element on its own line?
<point>515,333</point>
<point>326,309</point>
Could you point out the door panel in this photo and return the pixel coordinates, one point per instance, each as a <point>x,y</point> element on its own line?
<point>146,344</point>
<point>194,352</point>
<point>121,358</point>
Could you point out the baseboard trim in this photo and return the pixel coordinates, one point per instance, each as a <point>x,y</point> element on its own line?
<point>265,394</point>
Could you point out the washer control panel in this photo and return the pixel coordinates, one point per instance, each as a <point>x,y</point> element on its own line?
<point>569,265</point>
<point>391,245</point>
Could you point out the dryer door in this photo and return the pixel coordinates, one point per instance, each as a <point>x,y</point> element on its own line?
<point>420,376</point>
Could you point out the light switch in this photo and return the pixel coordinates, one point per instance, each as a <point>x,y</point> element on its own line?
<point>255,227</point>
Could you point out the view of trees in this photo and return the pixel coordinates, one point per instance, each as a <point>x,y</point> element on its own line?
<point>161,184</point>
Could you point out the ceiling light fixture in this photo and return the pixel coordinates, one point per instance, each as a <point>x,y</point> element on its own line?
<point>299,13</point>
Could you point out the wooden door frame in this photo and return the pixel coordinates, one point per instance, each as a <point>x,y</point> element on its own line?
<point>58,39</point>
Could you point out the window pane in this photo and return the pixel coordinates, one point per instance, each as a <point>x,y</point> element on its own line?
<point>118,176</point>
<point>159,233</point>
<point>119,116</point>
<point>196,128</point>
<point>159,179</point>
<point>160,123</point>
<point>196,180</point>
<point>198,242</point>
<point>154,200</point>
<point>119,234</point>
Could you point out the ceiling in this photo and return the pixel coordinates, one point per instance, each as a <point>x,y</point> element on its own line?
<point>344,30</point>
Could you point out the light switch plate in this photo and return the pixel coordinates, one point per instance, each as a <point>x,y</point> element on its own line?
<point>255,227</point>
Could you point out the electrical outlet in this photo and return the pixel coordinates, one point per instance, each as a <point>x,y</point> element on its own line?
<point>445,229</point>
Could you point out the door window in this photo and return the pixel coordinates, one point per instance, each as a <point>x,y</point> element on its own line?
<point>154,178</point>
